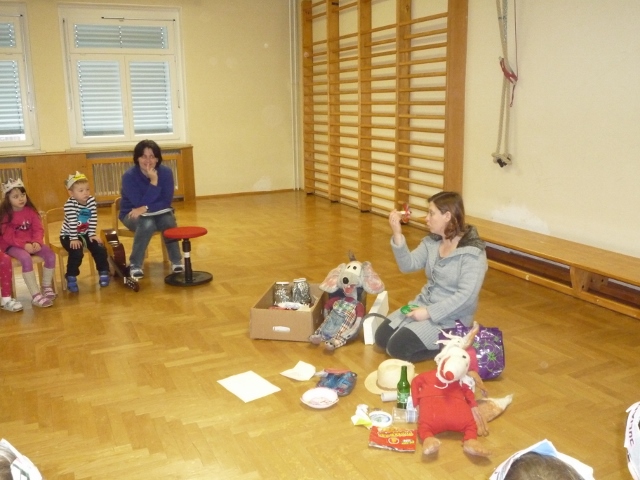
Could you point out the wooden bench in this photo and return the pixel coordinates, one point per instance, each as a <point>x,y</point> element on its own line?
<point>608,279</point>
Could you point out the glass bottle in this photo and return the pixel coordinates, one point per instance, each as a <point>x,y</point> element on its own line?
<point>404,388</point>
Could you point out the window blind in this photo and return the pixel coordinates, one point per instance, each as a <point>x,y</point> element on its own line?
<point>7,35</point>
<point>121,36</point>
<point>151,97</point>
<point>100,98</point>
<point>146,91</point>
<point>11,115</point>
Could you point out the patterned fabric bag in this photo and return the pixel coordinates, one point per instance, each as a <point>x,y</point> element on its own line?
<point>489,348</point>
<point>339,380</point>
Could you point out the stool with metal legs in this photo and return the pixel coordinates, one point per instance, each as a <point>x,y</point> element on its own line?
<point>187,278</point>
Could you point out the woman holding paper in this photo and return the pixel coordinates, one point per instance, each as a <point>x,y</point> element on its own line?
<point>145,208</point>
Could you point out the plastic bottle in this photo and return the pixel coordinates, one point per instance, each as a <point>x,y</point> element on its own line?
<point>404,388</point>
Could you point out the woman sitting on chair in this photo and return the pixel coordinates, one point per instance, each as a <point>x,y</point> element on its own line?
<point>145,207</point>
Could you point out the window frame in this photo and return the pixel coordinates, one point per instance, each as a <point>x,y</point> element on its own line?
<point>71,15</point>
<point>16,13</point>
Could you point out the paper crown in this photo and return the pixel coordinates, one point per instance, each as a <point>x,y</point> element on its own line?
<point>11,184</point>
<point>75,178</point>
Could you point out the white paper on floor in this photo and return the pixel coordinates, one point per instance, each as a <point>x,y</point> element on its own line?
<point>248,386</point>
<point>302,371</point>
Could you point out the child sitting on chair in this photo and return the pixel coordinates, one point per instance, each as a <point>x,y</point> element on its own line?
<point>79,232</point>
<point>22,236</point>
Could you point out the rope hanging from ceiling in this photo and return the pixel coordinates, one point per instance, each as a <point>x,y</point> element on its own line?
<point>509,80</point>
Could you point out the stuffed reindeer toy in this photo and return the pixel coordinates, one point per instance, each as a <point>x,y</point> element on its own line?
<point>447,401</point>
<point>343,313</point>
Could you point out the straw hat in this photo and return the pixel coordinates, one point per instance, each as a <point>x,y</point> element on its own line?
<point>386,378</point>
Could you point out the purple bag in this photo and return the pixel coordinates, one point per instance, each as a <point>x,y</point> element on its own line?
<point>489,348</point>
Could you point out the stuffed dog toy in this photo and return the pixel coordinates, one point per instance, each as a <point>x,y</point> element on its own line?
<point>343,313</point>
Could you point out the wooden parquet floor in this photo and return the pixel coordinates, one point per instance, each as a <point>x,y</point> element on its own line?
<point>113,384</point>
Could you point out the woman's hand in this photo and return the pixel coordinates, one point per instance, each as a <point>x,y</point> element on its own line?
<point>419,314</point>
<point>75,244</point>
<point>151,173</point>
<point>394,221</point>
<point>136,212</point>
<point>395,218</point>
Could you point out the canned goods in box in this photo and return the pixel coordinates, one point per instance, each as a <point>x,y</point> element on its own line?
<point>300,292</point>
<point>281,293</point>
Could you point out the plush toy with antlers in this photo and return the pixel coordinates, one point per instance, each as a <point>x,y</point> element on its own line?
<point>447,404</point>
<point>446,400</point>
<point>489,408</point>
<point>343,313</point>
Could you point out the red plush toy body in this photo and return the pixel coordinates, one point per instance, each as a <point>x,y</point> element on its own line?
<point>447,403</point>
<point>446,407</point>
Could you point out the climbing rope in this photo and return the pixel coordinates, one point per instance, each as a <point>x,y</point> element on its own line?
<point>509,80</point>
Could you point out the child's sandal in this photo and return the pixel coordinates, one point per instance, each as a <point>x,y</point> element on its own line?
<point>40,300</point>
<point>49,293</point>
<point>12,305</point>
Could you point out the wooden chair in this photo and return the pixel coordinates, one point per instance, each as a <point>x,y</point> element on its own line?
<point>123,231</point>
<point>52,220</point>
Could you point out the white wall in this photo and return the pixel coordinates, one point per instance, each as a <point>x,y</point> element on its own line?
<point>238,85</point>
<point>575,132</point>
<point>239,94</point>
<point>576,117</point>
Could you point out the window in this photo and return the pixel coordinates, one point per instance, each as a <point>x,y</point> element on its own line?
<point>124,74</point>
<point>17,106</point>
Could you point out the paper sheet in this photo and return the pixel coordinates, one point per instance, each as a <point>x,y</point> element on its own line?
<point>302,371</point>
<point>248,386</point>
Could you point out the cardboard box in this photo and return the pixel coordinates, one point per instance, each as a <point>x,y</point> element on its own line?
<point>291,325</point>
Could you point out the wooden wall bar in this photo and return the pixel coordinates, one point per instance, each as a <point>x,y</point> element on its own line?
<point>44,174</point>
<point>383,103</point>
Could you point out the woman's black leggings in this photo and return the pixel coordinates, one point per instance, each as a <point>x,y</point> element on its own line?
<point>402,343</point>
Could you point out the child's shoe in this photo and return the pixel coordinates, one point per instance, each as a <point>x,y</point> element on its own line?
<point>40,300</point>
<point>72,284</point>
<point>49,293</point>
<point>12,305</point>
<point>104,279</point>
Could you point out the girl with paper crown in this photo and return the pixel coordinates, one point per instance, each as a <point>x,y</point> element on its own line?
<point>22,235</point>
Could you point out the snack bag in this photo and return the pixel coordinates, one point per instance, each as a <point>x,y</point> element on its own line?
<point>393,438</point>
